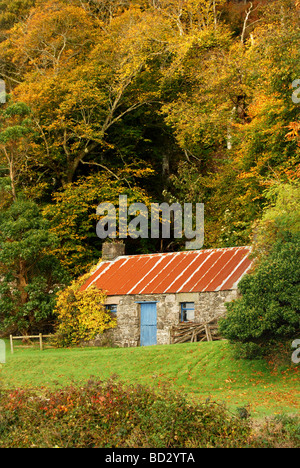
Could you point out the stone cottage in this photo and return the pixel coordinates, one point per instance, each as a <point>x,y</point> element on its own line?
<point>151,293</point>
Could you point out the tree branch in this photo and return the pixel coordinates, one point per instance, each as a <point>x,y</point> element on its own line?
<point>248,13</point>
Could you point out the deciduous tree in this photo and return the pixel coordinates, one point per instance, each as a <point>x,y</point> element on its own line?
<point>30,275</point>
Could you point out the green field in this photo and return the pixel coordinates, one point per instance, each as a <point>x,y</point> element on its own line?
<point>200,370</point>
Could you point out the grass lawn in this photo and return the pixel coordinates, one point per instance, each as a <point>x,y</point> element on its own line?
<point>200,370</point>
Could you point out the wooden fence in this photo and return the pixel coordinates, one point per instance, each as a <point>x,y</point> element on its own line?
<point>26,338</point>
<point>191,332</point>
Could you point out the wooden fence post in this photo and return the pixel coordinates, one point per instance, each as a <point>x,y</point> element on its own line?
<point>41,341</point>
<point>11,343</point>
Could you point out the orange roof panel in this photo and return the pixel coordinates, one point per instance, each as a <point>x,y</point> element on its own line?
<point>190,271</point>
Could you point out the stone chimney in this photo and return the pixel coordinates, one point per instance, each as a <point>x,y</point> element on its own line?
<point>112,250</point>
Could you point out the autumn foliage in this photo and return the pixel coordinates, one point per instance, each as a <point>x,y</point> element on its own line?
<point>112,414</point>
<point>81,315</point>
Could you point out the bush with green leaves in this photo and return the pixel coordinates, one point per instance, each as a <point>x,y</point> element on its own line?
<point>269,308</point>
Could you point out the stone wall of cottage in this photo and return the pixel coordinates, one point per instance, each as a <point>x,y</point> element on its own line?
<point>208,305</point>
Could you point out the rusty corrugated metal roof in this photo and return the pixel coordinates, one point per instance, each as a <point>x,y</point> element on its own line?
<point>190,271</point>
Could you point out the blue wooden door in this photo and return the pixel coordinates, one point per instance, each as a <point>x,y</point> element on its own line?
<point>148,324</point>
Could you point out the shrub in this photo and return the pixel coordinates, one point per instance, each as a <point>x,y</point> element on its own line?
<point>269,309</point>
<point>111,414</point>
<point>81,315</point>
<point>247,351</point>
<point>280,431</point>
